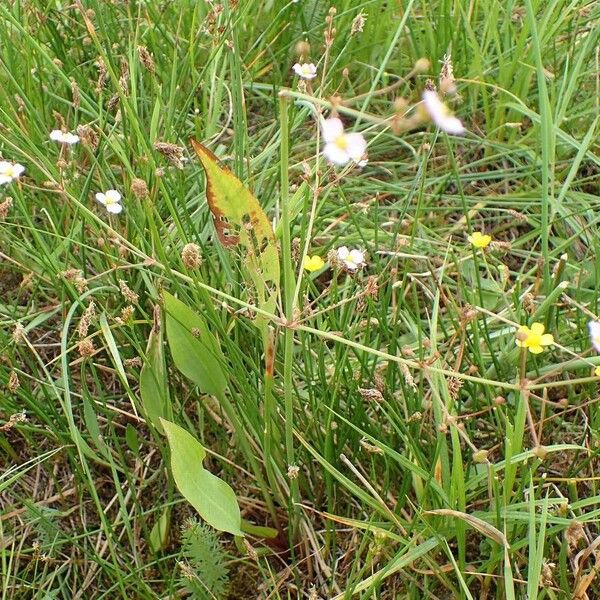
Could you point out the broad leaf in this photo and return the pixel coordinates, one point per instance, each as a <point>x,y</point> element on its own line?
<point>214,499</point>
<point>241,222</point>
<point>195,351</point>
<point>154,388</point>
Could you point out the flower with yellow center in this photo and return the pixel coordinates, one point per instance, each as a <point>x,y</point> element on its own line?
<point>479,240</point>
<point>10,171</point>
<point>313,263</point>
<point>534,339</point>
<point>111,201</point>
<point>351,260</point>
<point>341,147</point>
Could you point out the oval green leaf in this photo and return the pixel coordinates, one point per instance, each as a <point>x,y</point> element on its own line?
<point>214,499</point>
<point>195,351</point>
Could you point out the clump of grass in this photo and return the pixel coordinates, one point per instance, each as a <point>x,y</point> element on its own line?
<point>410,447</point>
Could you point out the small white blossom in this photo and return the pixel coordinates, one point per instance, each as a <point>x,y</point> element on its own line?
<point>64,137</point>
<point>305,70</point>
<point>111,199</point>
<point>351,259</point>
<point>440,114</point>
<point>594,328</point>
<point>10,171</point>
<point>342,147</point>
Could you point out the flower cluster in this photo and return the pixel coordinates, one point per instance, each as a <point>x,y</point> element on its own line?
<point>342,257</point>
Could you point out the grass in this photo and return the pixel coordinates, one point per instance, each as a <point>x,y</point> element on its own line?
<point>435,459</point>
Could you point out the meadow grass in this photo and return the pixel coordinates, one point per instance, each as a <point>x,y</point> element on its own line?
<point>404,447</point>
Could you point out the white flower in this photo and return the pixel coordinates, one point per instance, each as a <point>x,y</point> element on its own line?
<point>341,147</point>
<point>440,114</point>
<point>10,171</point>
<point>111,200</point>
<point>305,70</point>
<point>351,259</point>
<point>64,137</point>
<point>594,328</point>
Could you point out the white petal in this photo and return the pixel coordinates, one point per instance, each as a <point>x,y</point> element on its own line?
<point>5,166</point>
<point>440,113</point>
<point>101,197</point>
<point>115,209</point>
<point>356,146</point>
<point>594,329</point>
<point>56,135</point>
<point>113,196</point>
<point>18,170</point>
<point>335,154</point>
<point>343,252</point>
<point>351,266</point>
<point>452,125</point>
<point>4,179</point>
<point>332,129</point>
<point>71,138</point>
<point>297,68</point>
<point>357,257</point>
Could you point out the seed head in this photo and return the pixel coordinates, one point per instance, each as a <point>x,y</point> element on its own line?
<point>146,58</point>
<point>13,382</point>
<point>191,257</point>
<point>5,207</point>
<point>139,188</point>
<point>86,348</point>
<point>127,292</point>
<point>172,152</point>
<point>302,49</point>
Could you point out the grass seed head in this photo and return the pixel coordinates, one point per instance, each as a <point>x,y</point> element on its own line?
<point>146,59</point>
<point>5,207</point>
<point>127,292</point>
<point>191,257</point>
<point>13,382</point>
<point>139,188</point>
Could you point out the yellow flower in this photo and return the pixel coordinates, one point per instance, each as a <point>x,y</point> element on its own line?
<point>535,339</point>
<point>597,372</point>
<point>313,263</point>
<point>479,240</point>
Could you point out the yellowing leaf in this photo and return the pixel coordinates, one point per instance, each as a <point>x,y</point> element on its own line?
<point>241,222</point>
<point>214,499</point>
<point>475,522</point>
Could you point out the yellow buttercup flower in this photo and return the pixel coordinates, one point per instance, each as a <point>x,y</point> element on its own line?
<point>479,240</point>
<point>597,372</point>
<point>534,339</point>
<point>313,263</point>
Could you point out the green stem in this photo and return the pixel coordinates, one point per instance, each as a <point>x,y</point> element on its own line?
<point>289,287</point>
